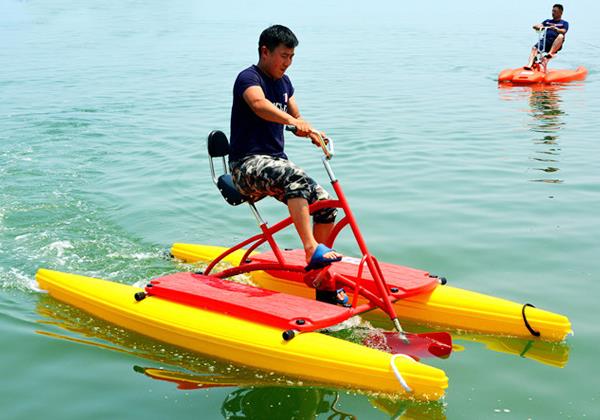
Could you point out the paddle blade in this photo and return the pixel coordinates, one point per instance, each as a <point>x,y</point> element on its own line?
<point>431,344</point>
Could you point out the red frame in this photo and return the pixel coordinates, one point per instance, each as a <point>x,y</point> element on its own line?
<point>384,297</point>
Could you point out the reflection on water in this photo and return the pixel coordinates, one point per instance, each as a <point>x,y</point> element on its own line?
<point>547,122</point>
<point>545,108</point>
<point>289,402</point>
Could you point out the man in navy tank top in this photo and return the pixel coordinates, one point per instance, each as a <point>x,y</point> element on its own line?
<point>555,36</point>
<point>263,102</point>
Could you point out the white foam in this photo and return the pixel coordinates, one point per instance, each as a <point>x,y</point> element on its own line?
<point>136,256</point>
<point>59,247</point>
<point>15,278</point>
<point>143,255</point>
<point>353,322</point>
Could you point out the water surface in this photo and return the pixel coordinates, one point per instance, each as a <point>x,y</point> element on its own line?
<point>104,113</point>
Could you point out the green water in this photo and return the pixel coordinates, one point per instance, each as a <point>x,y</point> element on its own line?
<point>104,110</point>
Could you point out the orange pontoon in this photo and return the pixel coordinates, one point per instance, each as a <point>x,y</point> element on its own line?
<point>537,75</point>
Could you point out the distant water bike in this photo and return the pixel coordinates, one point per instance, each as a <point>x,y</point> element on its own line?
<point>539,72</point>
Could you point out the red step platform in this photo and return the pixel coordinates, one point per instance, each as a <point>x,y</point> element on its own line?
<point>247,302</point>
<point>408,281</point>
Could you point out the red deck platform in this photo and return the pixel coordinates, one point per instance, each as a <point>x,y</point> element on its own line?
<point>247,302</point>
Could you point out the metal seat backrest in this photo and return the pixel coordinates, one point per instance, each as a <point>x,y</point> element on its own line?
<point>218,146</point>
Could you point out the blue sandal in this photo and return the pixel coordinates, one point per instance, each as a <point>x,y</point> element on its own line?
<point>334,297</point>
<point>344,297</point>
<point>318,259</point>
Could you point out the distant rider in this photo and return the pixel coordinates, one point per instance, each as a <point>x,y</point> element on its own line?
<point>555,36</point>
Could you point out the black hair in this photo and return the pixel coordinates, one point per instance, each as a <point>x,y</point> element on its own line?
<point>275,35</point>
<point>559,7</point>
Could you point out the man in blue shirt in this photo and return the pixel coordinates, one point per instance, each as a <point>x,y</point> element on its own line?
<point>555,36</point>
<point>263,102</point>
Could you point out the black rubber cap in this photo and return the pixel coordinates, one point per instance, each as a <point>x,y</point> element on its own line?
<point>139,296</point>
<point>288,335</point>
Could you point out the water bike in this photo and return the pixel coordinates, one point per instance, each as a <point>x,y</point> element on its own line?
<point>539,72</point>
<point>276,325</point>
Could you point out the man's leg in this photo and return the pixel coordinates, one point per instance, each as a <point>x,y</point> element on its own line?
<point>556,45</point>
<point>531,58</point>
<point>298,208</point>
<point>264,175</point>
<point>321,231</point>
<point>324,219</point>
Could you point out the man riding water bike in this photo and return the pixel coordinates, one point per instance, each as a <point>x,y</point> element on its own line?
<point>263,102</point>
<point>556,29</point>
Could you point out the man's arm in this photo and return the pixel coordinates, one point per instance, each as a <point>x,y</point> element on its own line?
<point>261,106</point>
<point>293,109</point>
<point>560,30</point>
<point>295,112</point>
<point>539,26</point>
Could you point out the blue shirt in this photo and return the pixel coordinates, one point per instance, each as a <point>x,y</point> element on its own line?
<point>250,134</point>
<point>551,34</point>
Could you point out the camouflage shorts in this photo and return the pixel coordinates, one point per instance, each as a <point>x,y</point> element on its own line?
<point>258,176</point>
